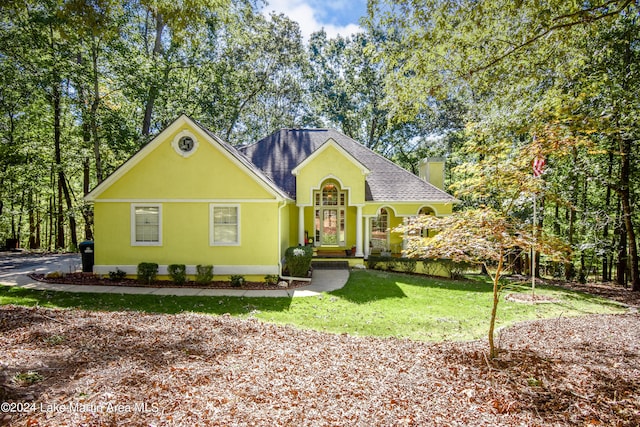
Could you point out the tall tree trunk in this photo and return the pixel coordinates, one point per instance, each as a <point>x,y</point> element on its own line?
<point>627,213</point>
<point>33,244</point>
<point>583,273</point>
<point>606,270</point>
<point>625,144</point>
<point>569,272</point>
<point>55,100</point>
<point>73,232</point>
<point>153,88</point>
<point>63,188</point>
<point>621,233</point>
<point>86,209</point>
<point>93,113</point>
<point>86,164</point>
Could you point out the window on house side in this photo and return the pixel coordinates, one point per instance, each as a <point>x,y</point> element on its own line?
<point>146,225</point>
<point>225,225</point>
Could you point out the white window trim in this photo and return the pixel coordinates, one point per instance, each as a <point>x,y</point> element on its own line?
<point>212,206</point>
<point>134,242</point>
<point>176,140</point>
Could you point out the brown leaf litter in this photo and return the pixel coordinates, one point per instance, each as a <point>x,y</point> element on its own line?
<point>135,369</point>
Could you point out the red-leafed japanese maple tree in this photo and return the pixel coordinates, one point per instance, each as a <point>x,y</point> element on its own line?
<point>481,236</point>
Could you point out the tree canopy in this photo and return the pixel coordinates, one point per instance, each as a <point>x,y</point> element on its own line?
<point>489,85</point>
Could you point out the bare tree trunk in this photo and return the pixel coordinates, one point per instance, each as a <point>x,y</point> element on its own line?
<point>153,88</point>
<point>606,268</point>
<point>625,144</point>
<point>55,100</point>
<point>93,113</point>
<point>32,222</point>
<point>627,215</point>
<point>621,232</point>
<point>583,273</point>
<point>493,351</point>
<point>569,272</point>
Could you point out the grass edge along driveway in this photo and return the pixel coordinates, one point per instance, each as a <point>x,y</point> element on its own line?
<point>372,303</point>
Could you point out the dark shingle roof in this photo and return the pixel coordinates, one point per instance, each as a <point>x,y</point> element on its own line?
<point>279,153</point>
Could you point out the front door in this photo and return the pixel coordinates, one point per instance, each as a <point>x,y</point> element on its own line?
<point>330,212</point>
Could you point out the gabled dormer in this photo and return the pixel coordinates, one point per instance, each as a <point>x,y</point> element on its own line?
<point>330,162</point>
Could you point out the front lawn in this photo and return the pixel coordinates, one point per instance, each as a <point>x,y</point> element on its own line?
<point>375,303</point>
<point>372,303</point>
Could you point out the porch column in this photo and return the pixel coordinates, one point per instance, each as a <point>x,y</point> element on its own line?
<point>367,235</point>
<point>301,225</point>
<point>359,231</point>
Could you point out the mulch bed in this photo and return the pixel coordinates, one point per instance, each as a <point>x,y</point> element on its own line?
<point>93,280</point>
<point>130,368</point>
<point>605,290</point>
<point>135,369</point>
<point>530,298</point>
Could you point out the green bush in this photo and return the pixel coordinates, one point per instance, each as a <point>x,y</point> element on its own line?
<point>373,262</point>
<point>408,265</point>
<point>237,280</point>
<point>204,274</point>
<point>271,279</point>
<point>388,261</point>
<point>178,273</point>
<point>147,272</point>
<point>429,266</point>
<point>454,269</point>
<point>298,260</point>
<point>117,275</point>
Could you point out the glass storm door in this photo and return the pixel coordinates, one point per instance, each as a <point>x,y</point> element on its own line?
<point>329,226</point>
<point>330,215</point>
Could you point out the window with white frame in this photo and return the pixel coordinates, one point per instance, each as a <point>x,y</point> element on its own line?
<point>380,230</point>
<point>225,225</point>
<point>146,225</point>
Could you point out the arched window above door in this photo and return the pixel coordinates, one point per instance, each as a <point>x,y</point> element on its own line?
<point>330,215</point>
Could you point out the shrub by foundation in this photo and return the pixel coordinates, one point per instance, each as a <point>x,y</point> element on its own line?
<point>117,275</point>
<point>178,273</point>
<point>237,280</point>
<point>298,260</point>
<point>204,274</point>
<point>147,272</point>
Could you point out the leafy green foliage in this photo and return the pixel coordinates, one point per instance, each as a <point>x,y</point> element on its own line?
<point>117,275</point>
<point>178,273</point>
<point>298,260</point>
<point>204,274</point>
<point>560,89</point>
<point>147,272</point>
<point>477,236</point>
<point>271,279</point>
<point>237,280</point>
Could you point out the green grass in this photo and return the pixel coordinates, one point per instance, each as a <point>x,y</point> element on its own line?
<point>372,303</point>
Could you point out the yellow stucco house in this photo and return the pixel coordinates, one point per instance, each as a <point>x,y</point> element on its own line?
<point>190,198</point>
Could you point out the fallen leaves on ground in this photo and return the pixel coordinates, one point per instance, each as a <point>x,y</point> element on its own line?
<point>129,368</point>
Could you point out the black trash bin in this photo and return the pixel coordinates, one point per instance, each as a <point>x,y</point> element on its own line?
<point>86,251</point>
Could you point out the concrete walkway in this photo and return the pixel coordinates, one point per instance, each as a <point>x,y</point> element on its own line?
<point>322,281</point>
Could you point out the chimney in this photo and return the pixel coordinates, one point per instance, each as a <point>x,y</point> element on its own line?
<point>431,169</point>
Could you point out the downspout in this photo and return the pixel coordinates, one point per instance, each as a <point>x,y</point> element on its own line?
<point>283,203</point>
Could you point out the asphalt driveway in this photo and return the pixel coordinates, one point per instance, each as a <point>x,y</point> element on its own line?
<point>16,265</point>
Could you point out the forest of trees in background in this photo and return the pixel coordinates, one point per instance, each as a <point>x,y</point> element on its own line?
<point>488,85</point>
